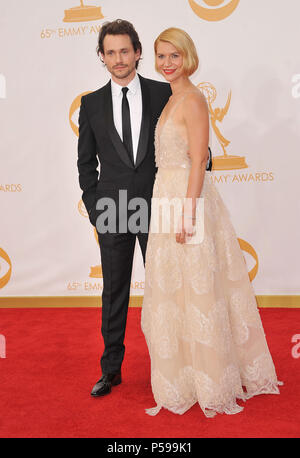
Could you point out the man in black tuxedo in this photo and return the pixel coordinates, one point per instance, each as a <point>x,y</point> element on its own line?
<point>116,128</point>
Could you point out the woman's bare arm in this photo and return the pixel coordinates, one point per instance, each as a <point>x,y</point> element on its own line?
<point>196,118</point>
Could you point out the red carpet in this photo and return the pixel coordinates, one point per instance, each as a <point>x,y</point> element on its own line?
<point>52,362</point>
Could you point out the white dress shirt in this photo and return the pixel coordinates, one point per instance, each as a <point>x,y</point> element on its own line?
<point>134,96</point>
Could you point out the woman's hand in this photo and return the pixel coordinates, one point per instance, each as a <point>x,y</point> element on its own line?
<point>185,228</point>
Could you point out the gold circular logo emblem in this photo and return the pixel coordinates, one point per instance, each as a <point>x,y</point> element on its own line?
<point>245,246</point>
<point>216,12</point>
<point>82,209</point>
<point>6,277</point>
<point>74,106</point>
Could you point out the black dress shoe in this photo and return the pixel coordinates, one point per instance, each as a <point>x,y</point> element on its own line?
<point>103,386</point>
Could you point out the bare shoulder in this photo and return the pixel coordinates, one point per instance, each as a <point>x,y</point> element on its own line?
<point>195,108</point>
<point>194,105</point>
<point>195,99</point>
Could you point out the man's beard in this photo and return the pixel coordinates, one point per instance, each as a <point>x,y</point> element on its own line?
<point>123,75</point>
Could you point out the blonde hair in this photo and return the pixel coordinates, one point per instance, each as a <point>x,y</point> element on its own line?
<point>184,45</point>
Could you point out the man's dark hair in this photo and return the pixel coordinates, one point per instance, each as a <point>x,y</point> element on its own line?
<point>119,27</point>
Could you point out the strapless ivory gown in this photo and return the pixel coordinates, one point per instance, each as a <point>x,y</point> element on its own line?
<point>199,316</point>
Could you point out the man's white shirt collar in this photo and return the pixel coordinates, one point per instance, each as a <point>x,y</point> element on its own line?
<point>133,86</point>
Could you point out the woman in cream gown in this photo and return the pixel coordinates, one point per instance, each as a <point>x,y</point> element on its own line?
<point>199,317</point>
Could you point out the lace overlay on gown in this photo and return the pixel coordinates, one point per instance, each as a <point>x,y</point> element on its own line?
<point>199,317</point>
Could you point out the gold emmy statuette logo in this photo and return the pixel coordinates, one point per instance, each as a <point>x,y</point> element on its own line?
<point>96,271</point>
<point>245,246</point>
<point>6,277</point>
<point>74,106</point>
<point>216,11</point>
<point>226,161</point>
<point>83,13</point>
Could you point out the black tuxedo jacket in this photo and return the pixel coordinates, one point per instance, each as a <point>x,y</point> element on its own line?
<point>99,141</point>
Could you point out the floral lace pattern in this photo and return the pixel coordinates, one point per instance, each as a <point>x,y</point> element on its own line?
<point>199,317</point>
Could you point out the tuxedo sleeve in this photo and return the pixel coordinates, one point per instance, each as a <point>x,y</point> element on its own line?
<point>87,162</point>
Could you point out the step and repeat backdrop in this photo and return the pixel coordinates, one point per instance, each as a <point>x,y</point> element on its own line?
<point>250,75</point>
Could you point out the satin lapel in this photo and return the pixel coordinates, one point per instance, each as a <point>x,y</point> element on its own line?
<point>145,124</point>
<point>114,136</point>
